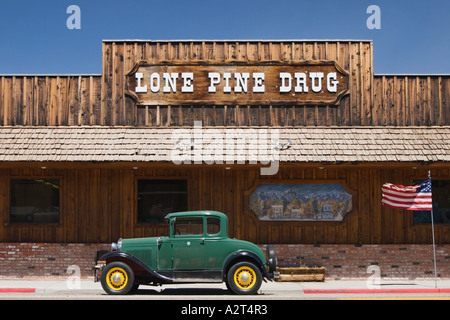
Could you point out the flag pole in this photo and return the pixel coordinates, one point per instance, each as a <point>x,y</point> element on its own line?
<point>432,232</point>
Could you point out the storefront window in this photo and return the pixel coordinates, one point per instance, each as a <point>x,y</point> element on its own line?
<point>440,190</point>
<point>35,201</point>
<point>157,198</point>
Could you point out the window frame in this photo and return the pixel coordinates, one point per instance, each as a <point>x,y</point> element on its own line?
<point>199,222</point>
<point>424,212</point>
<point>40,224</point>
<point>136,198</point>
<point>219,224</point>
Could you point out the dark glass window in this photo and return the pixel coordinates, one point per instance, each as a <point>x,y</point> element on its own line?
<point>213,226</point>
<point>35,201</point>
<point>188,226</point>
<point>440,190</point>
<point>157,198</point>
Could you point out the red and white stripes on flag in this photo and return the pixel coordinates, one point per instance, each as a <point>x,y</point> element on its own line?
<point>410,198</point>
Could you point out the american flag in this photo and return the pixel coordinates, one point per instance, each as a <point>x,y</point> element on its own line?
<point>417,197</point>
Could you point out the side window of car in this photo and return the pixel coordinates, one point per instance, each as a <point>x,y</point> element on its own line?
<point>213,226</point>
<point>188,226</point>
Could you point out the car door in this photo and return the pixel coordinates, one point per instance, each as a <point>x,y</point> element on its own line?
<point>188,244</point>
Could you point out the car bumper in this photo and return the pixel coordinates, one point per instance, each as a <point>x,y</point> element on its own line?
<point>98,270</point>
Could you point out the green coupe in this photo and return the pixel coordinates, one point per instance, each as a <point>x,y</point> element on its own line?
<point>197,250</point>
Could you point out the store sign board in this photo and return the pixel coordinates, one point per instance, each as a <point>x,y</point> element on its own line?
<point>265,83</point>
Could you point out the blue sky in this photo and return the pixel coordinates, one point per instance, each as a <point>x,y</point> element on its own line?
<point>34,39</point>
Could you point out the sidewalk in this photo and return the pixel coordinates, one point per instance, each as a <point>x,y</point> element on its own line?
<point>327,287</point>
<point>362,287</point>
<point>384,286</point>
<point>46,286</point>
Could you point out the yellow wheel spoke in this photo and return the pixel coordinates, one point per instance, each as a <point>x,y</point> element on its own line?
<point>245,278</point>
<point>117,278</point>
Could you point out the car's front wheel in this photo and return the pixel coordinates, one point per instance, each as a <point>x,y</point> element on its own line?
<point>117,278</point>
<point>244,278</point>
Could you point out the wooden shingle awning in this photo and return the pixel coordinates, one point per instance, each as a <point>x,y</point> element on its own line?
<point>301,144</point>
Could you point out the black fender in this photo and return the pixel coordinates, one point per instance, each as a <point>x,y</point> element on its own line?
<point>139,268</point>
<point>244,256</point>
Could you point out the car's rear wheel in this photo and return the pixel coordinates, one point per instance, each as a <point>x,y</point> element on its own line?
<point>244,278</point>
<point>117,278</point>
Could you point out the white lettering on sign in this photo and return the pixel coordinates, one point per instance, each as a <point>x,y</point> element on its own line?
<point>180,83</point>
<point>227,77</point>
<point>258,77</point>
<point>241,82</point>
<point>170,80</point>
<point>188,78</point>
<point>301,82</point>
<point>155,82</point>
<point>214,78</point>
<point>286,82</point>
<point>319,76</point>
<point>139,87</point>
<point>332,82</point>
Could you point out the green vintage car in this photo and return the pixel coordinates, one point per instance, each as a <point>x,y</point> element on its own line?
<point>197,250</point>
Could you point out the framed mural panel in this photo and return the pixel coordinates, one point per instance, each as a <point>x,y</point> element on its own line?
<point>300,202</point>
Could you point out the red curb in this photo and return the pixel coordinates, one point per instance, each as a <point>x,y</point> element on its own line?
<point>362,291</point>
<point>17,290</point>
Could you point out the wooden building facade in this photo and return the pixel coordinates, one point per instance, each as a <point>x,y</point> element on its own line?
<point>91,140</point>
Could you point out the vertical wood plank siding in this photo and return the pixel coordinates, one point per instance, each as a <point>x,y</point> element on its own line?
<point>99,205</point>
<point>100,100</point>
<point>98,201</point>
<point>50,100</point>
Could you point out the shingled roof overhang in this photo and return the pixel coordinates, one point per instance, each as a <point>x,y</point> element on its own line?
<point>329,145</point>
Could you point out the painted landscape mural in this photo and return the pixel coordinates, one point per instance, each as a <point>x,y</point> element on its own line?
<point>300,202</point>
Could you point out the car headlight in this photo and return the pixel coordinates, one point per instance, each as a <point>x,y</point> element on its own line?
<point>116,246</point>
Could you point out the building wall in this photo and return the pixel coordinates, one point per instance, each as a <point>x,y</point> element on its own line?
<point>98,201</point>
<point>341,262</point>
<point>101,100</point>
<point>345,262</point>
<point>48,260</point>
<point>50,100</point>
<point>99,204</point>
